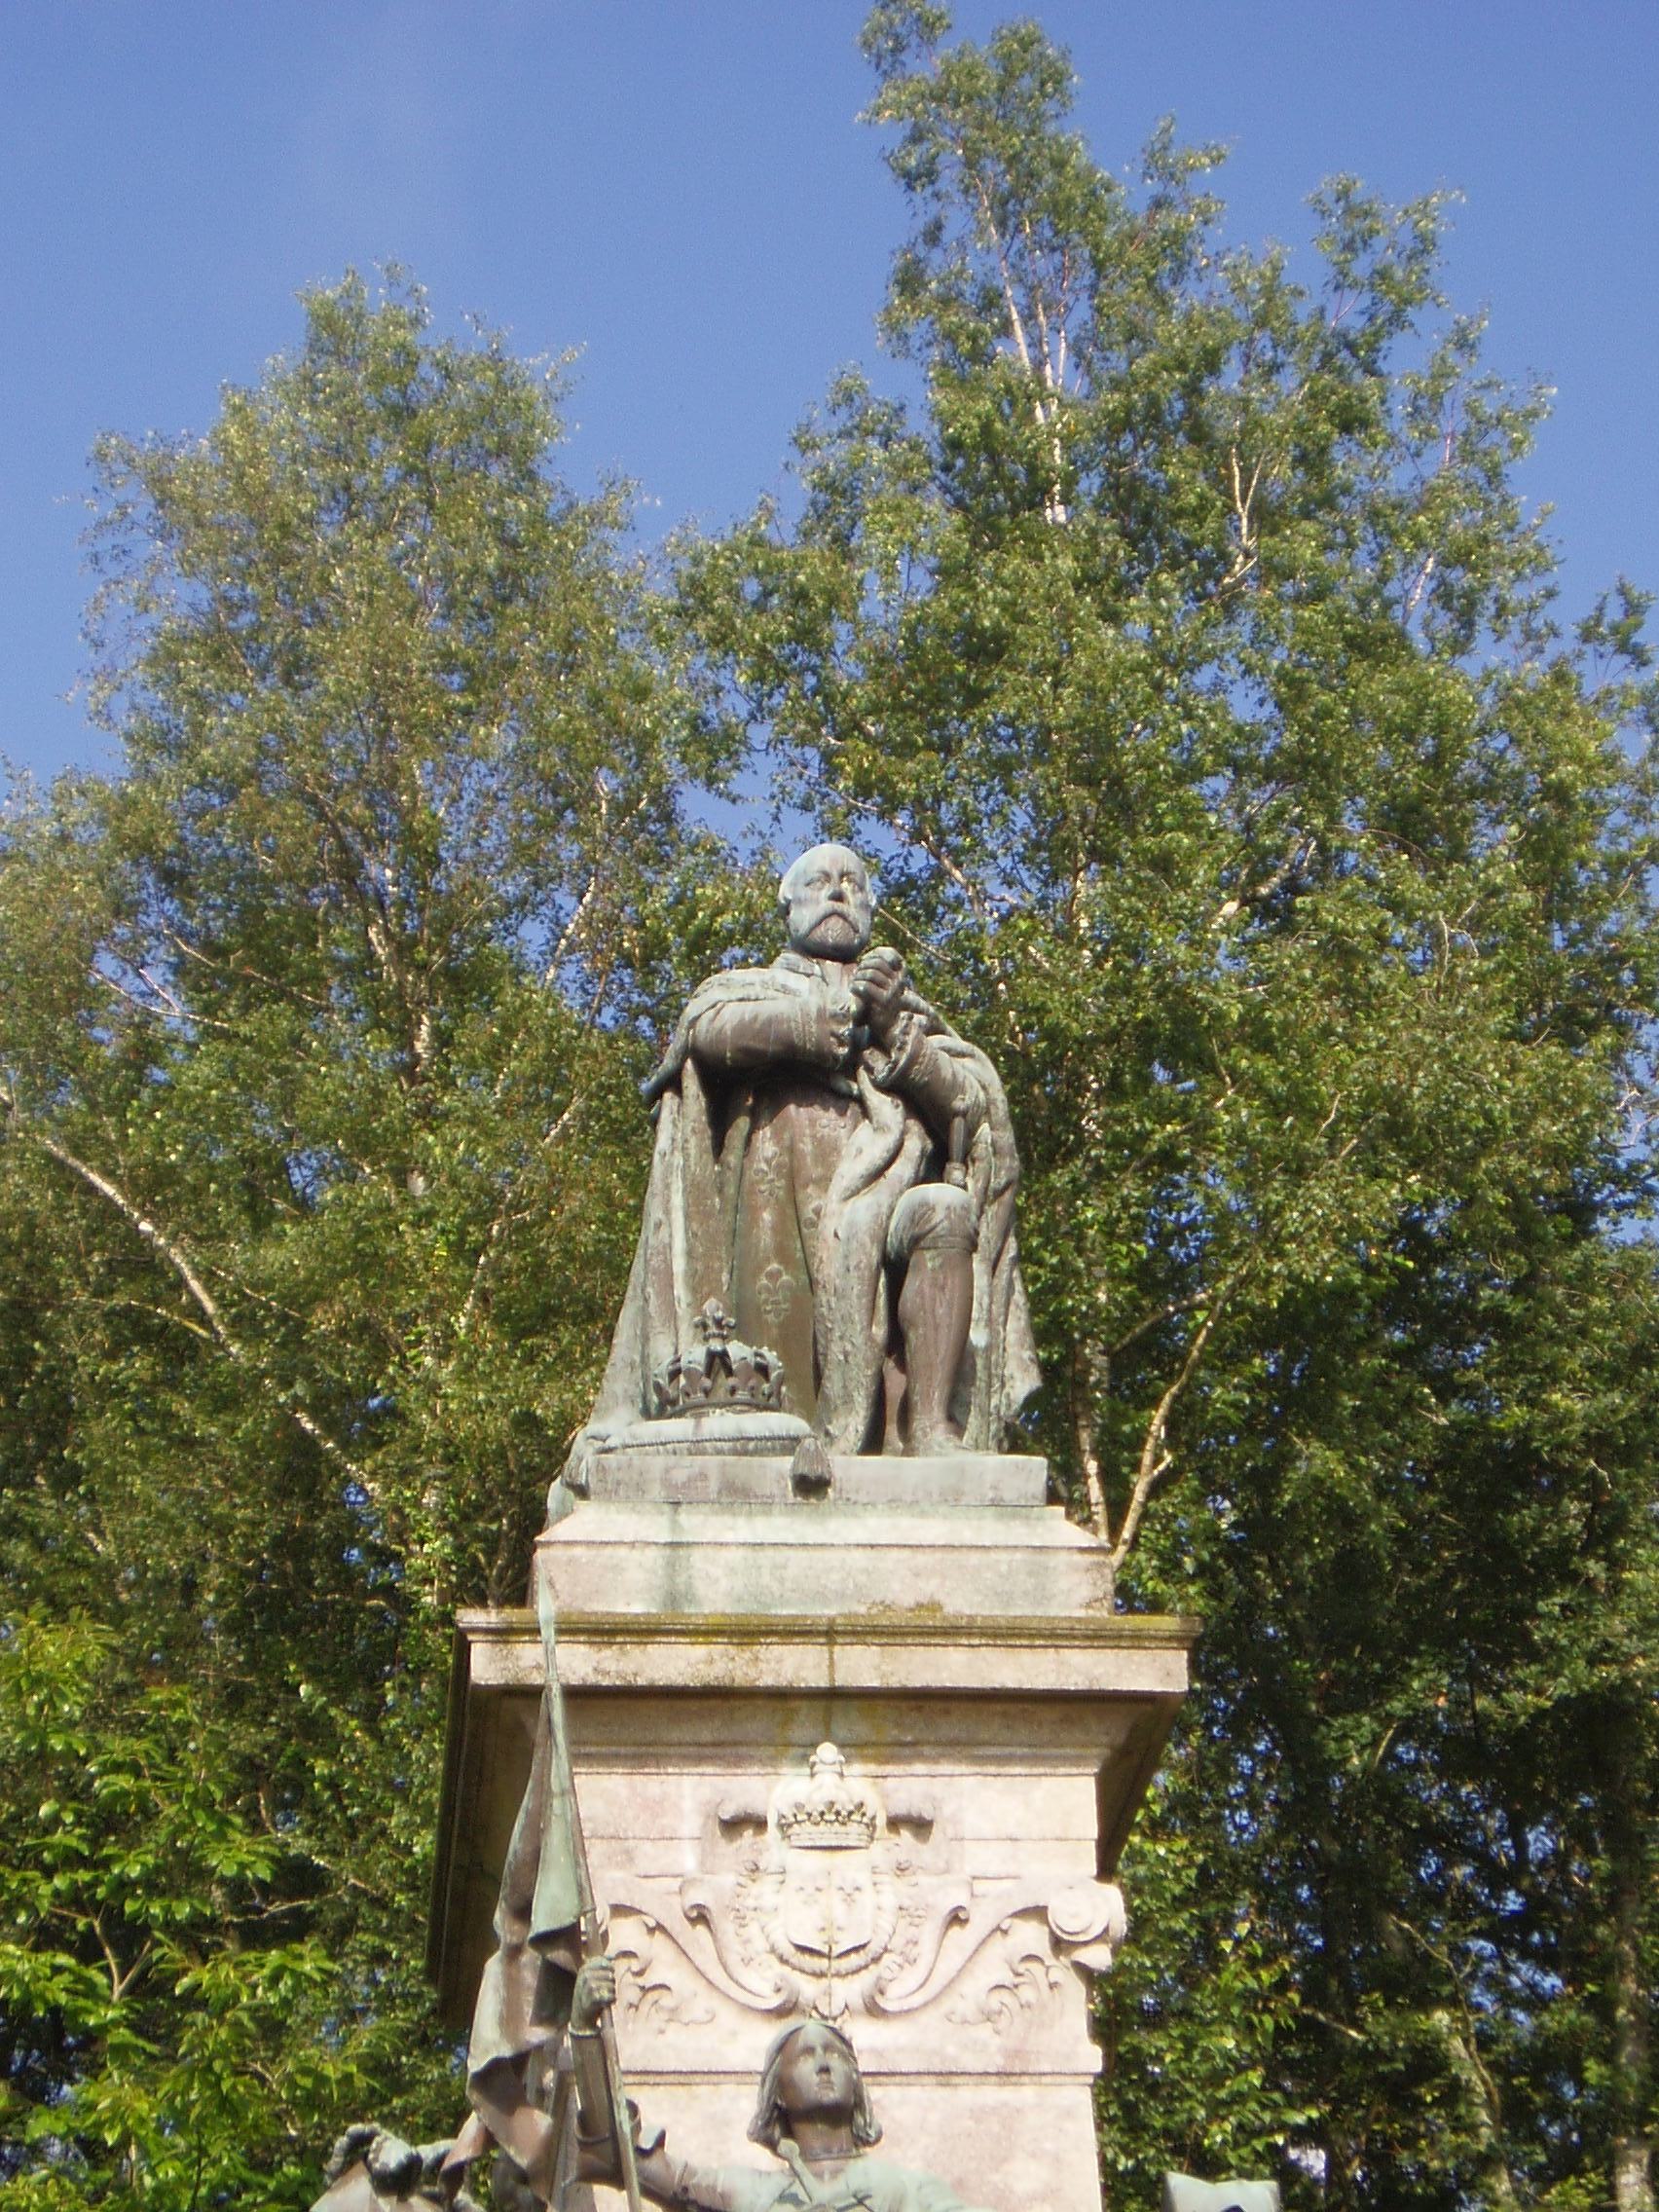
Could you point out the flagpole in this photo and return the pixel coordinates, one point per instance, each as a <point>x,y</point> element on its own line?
<point>564,1791</point>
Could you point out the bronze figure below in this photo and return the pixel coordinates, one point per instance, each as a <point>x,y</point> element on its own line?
<point>835,1168</point>
<point>813,2111</point>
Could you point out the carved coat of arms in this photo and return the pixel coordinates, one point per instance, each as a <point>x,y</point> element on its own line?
<point>823,1900</point>
<point>830,1903</point>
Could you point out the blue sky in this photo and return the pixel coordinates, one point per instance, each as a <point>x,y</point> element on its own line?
<point>680,189</point>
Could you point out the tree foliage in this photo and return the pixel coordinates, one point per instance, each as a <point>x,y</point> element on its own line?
<point>1190,657</point>
<point>319,1032</point>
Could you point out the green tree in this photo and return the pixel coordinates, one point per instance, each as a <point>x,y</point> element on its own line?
<point>319,1034</point>
<point>1188,657</point>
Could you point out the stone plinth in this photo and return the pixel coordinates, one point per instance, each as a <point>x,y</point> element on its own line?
<point>939,1881</point>
<point>956,1561</point>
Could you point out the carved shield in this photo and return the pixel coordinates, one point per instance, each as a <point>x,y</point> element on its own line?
<point>828,1905</point>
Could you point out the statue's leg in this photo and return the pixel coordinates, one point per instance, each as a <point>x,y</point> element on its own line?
<point>932,1240</point>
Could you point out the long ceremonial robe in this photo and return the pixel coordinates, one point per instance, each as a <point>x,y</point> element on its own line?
<point>773,1188</point>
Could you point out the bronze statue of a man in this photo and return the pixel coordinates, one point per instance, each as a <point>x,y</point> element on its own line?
<point>835,1168</point>
<point>813,2111</point>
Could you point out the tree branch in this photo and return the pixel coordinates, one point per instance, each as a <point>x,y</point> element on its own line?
<point>1156,1462</point>
<point>167,1248</point>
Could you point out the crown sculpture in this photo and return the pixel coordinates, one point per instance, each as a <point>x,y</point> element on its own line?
<point>722,1373</point>
<point>826,1811</point>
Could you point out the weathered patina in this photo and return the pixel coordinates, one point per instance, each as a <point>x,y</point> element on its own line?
<point>835,1169</point>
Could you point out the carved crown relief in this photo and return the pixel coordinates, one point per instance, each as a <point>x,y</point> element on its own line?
<point>829,1900</point>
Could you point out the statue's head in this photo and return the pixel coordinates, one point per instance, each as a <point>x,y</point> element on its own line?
<point>811,2071</point>
<point>831,908</point>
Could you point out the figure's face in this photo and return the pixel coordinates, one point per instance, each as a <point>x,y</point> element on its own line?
<point>831,909</point>
<point>817,2079</point>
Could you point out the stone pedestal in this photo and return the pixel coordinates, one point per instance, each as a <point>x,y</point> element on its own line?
<point>936,1878</point>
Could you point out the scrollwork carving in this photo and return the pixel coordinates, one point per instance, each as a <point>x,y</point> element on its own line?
<point>825,1905</point>
<point>656,1981</point>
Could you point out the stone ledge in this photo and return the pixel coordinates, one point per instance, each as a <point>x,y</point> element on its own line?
<point>509,1624</point>
<point>640,1473</point>
<point>974,1656</point>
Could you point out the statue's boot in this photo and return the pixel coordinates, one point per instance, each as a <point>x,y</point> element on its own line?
<point>935,1308</point>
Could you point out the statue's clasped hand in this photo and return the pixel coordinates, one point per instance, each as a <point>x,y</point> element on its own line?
<point>878,991</point>
<point>594,1993</point>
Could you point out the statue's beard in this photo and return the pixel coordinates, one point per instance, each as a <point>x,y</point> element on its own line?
<point>833,936</point>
